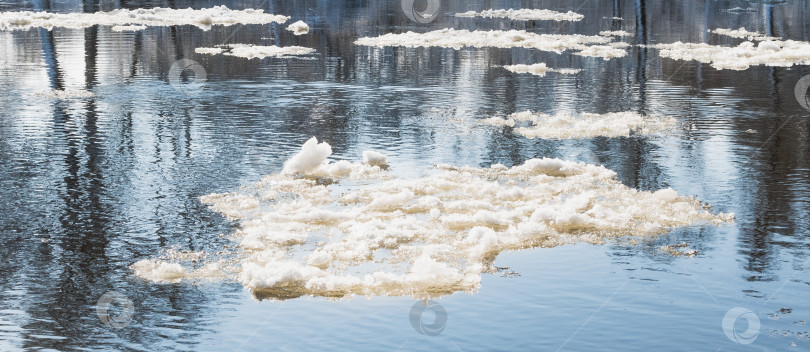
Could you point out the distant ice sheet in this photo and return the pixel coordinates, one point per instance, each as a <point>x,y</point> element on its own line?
<point>525,15</point>
<point>585,125</point>
<point>203,18</point>
<point>594,45</point>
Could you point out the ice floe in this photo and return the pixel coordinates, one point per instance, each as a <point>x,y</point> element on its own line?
<point>742,33</point>
<point>457,39</point>
<point>585,125</point>
<point>250,51</point>
<point>615,33</point>
<point>203,18</point>
<point>338,229</point>
<point>539,69</point>
<point>298,28</point>
<point>525,15</point>
<point>769,53</point>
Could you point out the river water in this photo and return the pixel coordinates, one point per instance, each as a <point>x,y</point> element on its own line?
<point>91,185</point>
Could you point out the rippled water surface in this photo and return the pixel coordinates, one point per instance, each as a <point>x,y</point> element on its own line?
<point>91,185</point>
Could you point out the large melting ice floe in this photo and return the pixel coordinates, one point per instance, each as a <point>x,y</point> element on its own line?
<point>593,45</point>
<point>585,125</point>
<point>337,229</point>
<point>203,18</point>
<point>250,51</point>
<point>770,51</point>
<point>525,15</point>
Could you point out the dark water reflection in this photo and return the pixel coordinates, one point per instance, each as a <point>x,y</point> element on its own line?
<point>89,186</point>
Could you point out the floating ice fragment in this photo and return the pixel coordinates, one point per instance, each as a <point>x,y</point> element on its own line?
<point>615,33</point>
<point>539,69</point>
<point>424,236</point>
<point>586,125</point>
<point>769,53</point>
<point>203,18</point>
<point>742,33</point>
<point>250,51</point>
<point>525,15</point>
<point>311,156</point>
<point>457,39</point>
<point>159,271</point>
<point>298,28</point>
<point>131,28</point>
<point>374,158</point>
<point>208,51</point>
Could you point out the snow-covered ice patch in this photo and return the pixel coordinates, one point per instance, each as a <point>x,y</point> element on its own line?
<point>457,39</point>
<point>250,51</point>
<point>585,125</point>
<point>525,15</point>
<point>298,28</point>
<point>337,229</point>
<point>539,69</point>
<point>203,18</point>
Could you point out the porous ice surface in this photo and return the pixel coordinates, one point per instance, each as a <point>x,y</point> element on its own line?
<point>338,229</point>
<point>525,15</point>
<point>585,45</point>
<point>585,125</point>
<point>250,51</point>
<point>203,18</point>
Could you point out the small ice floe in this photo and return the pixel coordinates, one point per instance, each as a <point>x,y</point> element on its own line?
<point>367,231</point>
<point>525,15</point>
<point>65,94</point>
<point>739,10</point>
<point>250,51</point>
<point>203,18</point>
<point>677,249</point>
<point>615,33</point>
<point>298,28</point>
<point>539,69</point>
<point>585,125</point>
<point>595,45</point>
<point>769,53</point>
<point>129,28</point>
<point>159,271</point>
<point>742,33</point>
